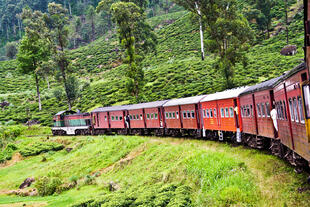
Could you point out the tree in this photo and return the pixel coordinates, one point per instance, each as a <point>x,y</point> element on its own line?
<point>11,50</point>
<point>91,16</point>
<point>229,35</point>
<point>195,7</point>
<point>33,49</point>
<point>56,21</point>
<point>135,36</point>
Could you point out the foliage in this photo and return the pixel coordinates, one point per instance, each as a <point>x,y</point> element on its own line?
<point>37,148</point>
<point>157,195</point>
<point>48,185</point>
<point>11,50</point>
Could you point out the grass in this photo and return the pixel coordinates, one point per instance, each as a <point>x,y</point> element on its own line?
<point>156,171</point>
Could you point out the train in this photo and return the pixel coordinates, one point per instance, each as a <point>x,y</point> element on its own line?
<point>270,115</point>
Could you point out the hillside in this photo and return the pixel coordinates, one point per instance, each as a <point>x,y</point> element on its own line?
<point>143,171</point>
<point>176,70</point>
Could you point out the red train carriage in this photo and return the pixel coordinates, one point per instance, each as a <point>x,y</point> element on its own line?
<point>109,119</point>
<point>290,115</point>
<point>255,104</point>
<point>71,123</point>
<point>146,118</point>
<point>220,114</point>
<point>182,116</point>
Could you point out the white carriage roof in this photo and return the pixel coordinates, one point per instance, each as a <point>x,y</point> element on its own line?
<point>185,101</point>
<point>231,93</point>
<point>153,104</point>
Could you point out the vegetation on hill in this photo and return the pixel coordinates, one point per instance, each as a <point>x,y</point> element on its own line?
<point>123,171</point>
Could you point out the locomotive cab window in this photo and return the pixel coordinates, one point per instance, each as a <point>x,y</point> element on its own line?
<point>214,112</point>
<point>301,113</point>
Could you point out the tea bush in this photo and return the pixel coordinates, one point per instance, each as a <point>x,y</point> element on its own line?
<point>40,147</point>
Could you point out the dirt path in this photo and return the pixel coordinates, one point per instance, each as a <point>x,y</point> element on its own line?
<point>27,204</point>
<point>15,158</point>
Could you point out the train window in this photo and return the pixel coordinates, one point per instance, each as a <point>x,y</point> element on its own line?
<point>268,109</point>
<point>226,112</point>
<point>188,114</point>
<point>207,112</point>
<point>211,113</point>
<point>156,116</point>
<point>231,111</point>
<point>177,114</point>
<point>241,111</point>
<point>170,115</point>
<point>137,116</point>
<point>248,112</point>
<point>193,114</point>
<point>120,118</point>
<point>105,118</point>
<point>291,109</point>
<point>285,113</point>
<point>204,113</point>
<point>112,118</point>
<point>258,110</point>
<point>152,116</point>
<point>222,113</point>
<point>173,115</point>
<point>295,110</point>
<point>251,107</point>
<point>130,117</point>
<point>116,118</point>
<point>301,113</point>
<point>147,116</point>
<point>263,110</point>
<point>282,110</point>
<point>167,116</point>
<point>141,116</point>
<point>306,92</point>
<point>214,113</point>
<point>184,114</point>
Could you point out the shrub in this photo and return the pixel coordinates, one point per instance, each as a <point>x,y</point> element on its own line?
<point>39,147</point>
<point>48,185</point>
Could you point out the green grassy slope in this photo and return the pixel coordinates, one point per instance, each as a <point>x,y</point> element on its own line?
<point>154,171</point>
<point>174,71</point>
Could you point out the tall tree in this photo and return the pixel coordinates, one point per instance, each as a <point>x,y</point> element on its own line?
<point>91,16</point>
<point>57,21</point>
<point>33,49</point>
<point>195,7</point>
<point>229,36</point>
<point>137,39</point>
